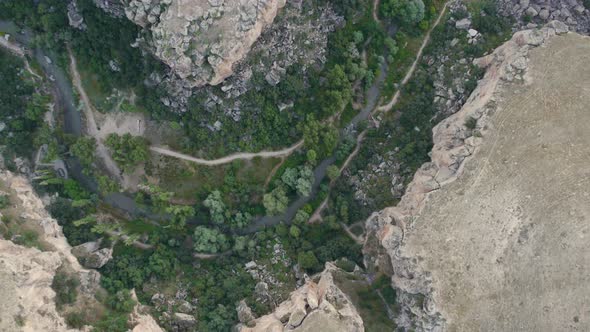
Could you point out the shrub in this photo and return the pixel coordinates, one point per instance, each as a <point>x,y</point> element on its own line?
<point>66,288</point>
<point>4,201</point>
<point>471,123</point>
<point>307,260</point>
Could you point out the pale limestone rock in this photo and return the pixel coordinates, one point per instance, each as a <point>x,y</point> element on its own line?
<point>394,227</point>
<point>313,307</point>
<point>202,40</point>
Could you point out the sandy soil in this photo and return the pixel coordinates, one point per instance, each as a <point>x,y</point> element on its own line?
<point>506,244</point>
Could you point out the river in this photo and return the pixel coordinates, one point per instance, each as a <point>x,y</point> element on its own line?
<point>123,201</point>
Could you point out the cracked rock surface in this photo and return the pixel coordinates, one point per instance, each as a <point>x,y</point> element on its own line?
<point>320,306</point>
<point>490,236</point>
<point>201,40</point>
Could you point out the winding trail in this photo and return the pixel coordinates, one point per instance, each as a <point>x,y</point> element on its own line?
<point>91,127</point>
<point>14,48</point>
<point>394,99</point>
<point>317,214</point>
<point>375,8</point>
<point>228,159</point>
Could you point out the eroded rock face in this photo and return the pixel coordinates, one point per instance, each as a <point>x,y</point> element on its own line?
<point>27,300</point>
<point>474,237</point>
<point>530,13</point>
<point>320,306</point>
<point>201,40</point>
<point>91,255</point>
<point>26,274</point>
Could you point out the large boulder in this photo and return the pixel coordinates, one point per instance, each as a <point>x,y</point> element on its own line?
<point>202,40</point>
<point>91,256</point>
<point>320,306</point>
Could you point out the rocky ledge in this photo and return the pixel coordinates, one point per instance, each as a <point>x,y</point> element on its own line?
<point>26,274</point>
<point>320,306</point>
<point>202,40</point>
<point>460,243</point>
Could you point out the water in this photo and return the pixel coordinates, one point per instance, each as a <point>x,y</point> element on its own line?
<point>125,202</point>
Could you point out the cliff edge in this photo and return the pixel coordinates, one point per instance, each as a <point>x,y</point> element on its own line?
<point>490,235</point>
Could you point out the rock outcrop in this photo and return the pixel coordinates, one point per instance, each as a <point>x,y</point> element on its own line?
<point>473,244</point>
<point>529,13</point>
<point>26,274</point>
<point>91,255</point>
<point>202,40</point>
<point>320,306</point>
<point>27,300</point>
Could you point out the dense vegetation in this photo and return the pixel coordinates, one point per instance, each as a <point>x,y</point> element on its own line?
<point>408,128</point>
<point>21,107</point>
<point>128,151</point>
<point>218,220</point>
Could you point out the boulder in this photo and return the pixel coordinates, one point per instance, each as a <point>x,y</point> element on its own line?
<point>463,24</point>
<point>184,321</point>
<point>245,314</point>
<point>532,12</point>
<point>202,40</point>
<point>320,306</point>
<point>90,256</point>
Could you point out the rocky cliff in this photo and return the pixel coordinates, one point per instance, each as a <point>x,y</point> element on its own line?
<point>489,234</point>
<point>316,306</point>
<point>202,40</point>
<point>26,274</point>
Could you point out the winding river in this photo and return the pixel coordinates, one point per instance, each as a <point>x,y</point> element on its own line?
<point>62,90</point>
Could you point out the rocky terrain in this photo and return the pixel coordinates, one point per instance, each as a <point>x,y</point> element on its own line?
<point>316,306</point>
<point>26,274</point>
<point>490,234</point>
<point>529,13</point>
<point>201,40</point>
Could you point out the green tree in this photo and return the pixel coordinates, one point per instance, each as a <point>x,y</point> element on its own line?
<point>307,260</point>
<point>209,240</point>
<point>301,217</point>
<point>241,220</point>
<point>214,202</point>
<point>106,185</point>
<point>333,172</point>
<point>276,201</point>
<point>312,157</point>
<point>128,151</point>
<point>294,231</point>
<point>84,149</point>
<point>289,177</point>
<point>337,91</point>
<point>180,214</point>
<point>409,12</point>
<point>322,138</point>
<point>305,181</point>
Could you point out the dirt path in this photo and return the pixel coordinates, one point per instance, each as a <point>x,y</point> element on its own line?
<point>20,52</point>
<point>12,47</point>
<point>273,172</point>
<point>210,256</point>
<point>317,214</point>
<point>410,72</point>
<point>91,127</point>
<point>228,159</point>
<point>375,8</point>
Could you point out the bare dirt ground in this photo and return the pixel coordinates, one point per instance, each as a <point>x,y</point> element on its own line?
<point>506,244</point>
<point>228,159</point>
